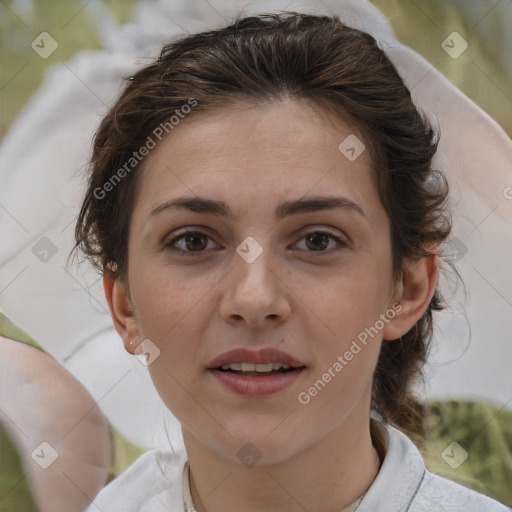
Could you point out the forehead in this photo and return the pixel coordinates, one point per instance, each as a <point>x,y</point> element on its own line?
<point>293,125</point>
<point>277,150</point>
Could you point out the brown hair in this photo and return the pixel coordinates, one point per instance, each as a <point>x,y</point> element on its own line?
<point>267,58</point>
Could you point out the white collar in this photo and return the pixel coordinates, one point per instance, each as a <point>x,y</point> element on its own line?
<point>399,477</point>
<point>154,483</point>
<point>188,502</point>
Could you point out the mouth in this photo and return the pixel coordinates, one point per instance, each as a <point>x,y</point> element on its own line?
<point>258,370</point>
<point>256,373</point>
<point>253,383</point>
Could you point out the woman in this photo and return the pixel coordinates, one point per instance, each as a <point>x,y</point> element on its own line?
<point>263,210</point>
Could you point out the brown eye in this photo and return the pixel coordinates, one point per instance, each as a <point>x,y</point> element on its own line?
<point>193,243</point>
<point>318,241</point>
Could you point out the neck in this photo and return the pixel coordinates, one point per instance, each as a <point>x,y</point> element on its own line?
<point>334,472</point>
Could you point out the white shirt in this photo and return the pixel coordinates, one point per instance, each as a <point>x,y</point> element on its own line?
<point>154,483</point>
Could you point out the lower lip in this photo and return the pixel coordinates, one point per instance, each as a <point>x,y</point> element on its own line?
<point>257,386</point>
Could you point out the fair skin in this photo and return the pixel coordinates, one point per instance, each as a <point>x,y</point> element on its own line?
<point>308,303</point>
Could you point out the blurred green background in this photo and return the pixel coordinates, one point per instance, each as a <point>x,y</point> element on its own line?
<point>481,72</point>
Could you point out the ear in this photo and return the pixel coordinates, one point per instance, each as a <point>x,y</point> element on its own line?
<point>121,308</point>
<point>414,293</point>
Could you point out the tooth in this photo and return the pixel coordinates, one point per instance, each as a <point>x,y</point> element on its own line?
<point>250,367</point>
<point>278,366</point>
<point>264,367</point>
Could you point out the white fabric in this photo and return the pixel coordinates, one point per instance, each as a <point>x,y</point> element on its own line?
<point>154,483</point>
<point>188,502</point>
<point>43,156</point>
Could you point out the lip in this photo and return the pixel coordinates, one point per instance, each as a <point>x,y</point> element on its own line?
<point>257,386</point>
<point>262,356</point>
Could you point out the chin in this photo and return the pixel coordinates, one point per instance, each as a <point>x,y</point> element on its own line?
<point>259,448</point>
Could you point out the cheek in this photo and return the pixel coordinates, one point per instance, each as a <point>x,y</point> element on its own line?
<point>348,339</point>
<point>351,298</point>
<point>161,300</point>
<point>171,310</point>
<point>348,348</point>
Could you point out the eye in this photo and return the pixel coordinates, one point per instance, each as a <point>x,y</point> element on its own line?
<point>193,243</point>
<point>318,241</point>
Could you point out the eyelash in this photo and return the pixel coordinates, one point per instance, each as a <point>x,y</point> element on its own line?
<point>170,245</point>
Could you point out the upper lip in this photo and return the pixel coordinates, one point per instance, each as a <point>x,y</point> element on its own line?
<point>265,355</point>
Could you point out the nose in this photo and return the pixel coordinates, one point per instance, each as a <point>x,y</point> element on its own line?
<point>255,293</point>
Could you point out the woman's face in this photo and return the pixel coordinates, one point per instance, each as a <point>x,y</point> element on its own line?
<point>263,271</point>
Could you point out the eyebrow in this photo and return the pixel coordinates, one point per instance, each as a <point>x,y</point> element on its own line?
<point>222,209</point>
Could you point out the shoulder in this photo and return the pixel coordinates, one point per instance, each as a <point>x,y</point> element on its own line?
<point>404,483</point>
<point>440,494</point>
<point>152,482</point>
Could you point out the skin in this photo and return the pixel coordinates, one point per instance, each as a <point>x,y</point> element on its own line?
<point>309,304</point>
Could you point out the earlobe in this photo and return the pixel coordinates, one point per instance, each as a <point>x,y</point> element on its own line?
<point>418,286</point>
<point>121,308</point>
